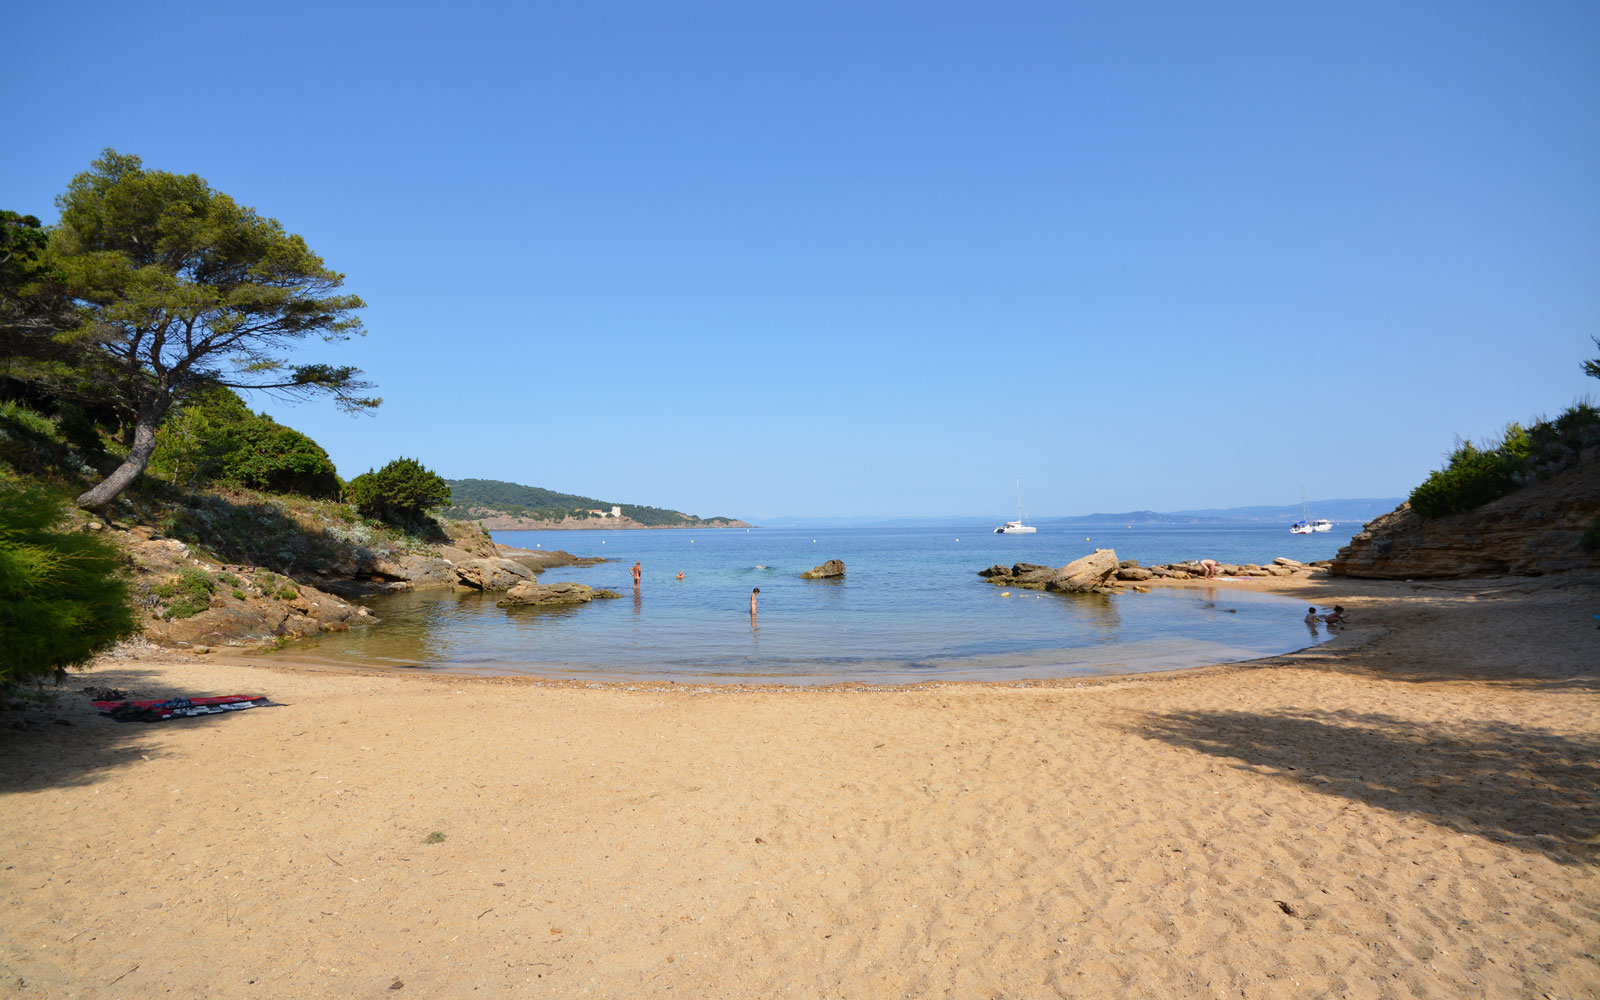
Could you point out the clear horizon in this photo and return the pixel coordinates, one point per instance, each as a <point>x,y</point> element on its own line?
<point>734,258</point>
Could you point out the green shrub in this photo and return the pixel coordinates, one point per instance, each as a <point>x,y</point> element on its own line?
<point>62,595</point>
<point>399,492</point>
<point>1472,479</point>
<point>1475,475</point>
<point>213,436</point>
<point>277,459</point>
<point>16,415</point>
<point>287,594</point>
<point>238,594</point>
<point>187,594</point>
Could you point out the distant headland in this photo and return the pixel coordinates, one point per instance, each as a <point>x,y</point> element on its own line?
<point>503,506</point>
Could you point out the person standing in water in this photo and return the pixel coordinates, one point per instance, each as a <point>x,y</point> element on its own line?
<point>636,576</point>
<point>753,593</point>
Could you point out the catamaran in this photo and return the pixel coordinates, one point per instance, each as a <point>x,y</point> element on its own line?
<point>1017,527</point>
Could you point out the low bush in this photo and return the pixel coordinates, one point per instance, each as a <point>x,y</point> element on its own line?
<point>187,594</point>
<point>1474,475</point>
<point>277,459</point>
<point>62,595</point>
<point>1472,479</point>
<point>214,437</point>
<point>398,493</point>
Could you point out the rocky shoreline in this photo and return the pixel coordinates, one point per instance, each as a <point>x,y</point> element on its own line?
<point>1101,572</point>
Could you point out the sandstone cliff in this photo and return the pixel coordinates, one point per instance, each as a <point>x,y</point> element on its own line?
<point>1533,531</point>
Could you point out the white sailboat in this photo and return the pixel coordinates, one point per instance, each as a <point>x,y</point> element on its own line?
<point>1305,525</point>
<point>1017,527</point>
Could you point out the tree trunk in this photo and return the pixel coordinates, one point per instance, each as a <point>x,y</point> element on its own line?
<point>101,496</point>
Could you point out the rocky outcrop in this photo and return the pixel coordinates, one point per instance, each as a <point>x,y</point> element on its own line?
<point>1084,575</point>
<point>492,574</point>
<point>1079,576</point>
<point>530,593</point>
<point>1101,572</point>
<point>1531,532</point>
<point>829,570</point>
<point>412,572</point>
<point>540,560</point>
<point>254,619</point>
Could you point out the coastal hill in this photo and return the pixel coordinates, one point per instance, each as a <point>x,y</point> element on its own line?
<point>1361,510</point>
<point>1536,530</point>
<point>501,506</point>
<point>1526,504</point>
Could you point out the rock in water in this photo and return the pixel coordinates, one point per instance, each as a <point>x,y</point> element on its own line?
<point>829,569</point>
<point>492,573</point>
<point>528,592</point>
<point>1083,575</point>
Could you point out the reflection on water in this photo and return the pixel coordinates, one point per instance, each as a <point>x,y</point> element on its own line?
<point>910,607</point>
<point>1097,611</point>
<point>821,634</point>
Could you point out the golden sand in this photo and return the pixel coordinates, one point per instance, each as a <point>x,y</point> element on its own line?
<point>1412,810</point>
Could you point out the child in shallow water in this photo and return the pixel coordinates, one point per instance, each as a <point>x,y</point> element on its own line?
<point>1312,617</point>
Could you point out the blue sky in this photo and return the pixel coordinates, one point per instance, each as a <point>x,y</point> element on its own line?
<point>886,258</point>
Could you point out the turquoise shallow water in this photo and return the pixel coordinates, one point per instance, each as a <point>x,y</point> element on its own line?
<point>910,608</point>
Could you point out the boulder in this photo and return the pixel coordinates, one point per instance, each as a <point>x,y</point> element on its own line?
<point>995,570</point>
<point>828,570</point>
<point>528,592</point>
<point>1134,573</point>
<point>1286,561</point>
<point>492,573</point>
<point>1082,575</point>
<point>417,571</point>
<point>1128,564</point>
<point>243,624</point>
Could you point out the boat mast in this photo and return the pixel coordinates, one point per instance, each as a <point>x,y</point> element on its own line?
<point>1019,500</point>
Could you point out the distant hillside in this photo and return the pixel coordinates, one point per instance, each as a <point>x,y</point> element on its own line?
<point>1358,511</point>
<point>476,499</point>
<point>1343,511</point>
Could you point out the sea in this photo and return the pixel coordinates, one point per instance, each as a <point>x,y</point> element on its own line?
<point>910,608</point>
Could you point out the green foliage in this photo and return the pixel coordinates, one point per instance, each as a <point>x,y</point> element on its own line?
<point>62,595</point>
<point>1475,475</point>
<point>187,594</point>
<point>176,287</point>
<point>213,437</point>
<point>21,418</point>
<point>277,459</point>
<point>238,594</point>
<point>1472,479</point>
<point>516,500</point>
<point>287,594</point>
<point>399,492</point>
<point>1592,367</point>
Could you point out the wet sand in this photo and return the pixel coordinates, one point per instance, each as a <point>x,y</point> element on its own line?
<point>1411,810</point>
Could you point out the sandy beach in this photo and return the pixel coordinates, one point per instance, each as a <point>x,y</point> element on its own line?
<point>1411,810</point>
